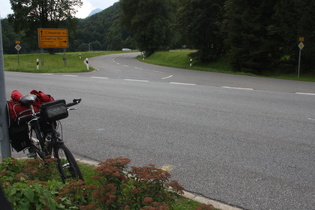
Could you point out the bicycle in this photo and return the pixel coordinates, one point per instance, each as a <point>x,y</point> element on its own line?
<point>45,140</point>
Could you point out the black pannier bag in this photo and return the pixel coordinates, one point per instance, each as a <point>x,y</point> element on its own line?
<point>19,136</point>
<point>54,110</point>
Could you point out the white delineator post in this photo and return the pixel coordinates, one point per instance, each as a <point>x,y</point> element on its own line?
<point>37,64</point>
<point>87,64</point>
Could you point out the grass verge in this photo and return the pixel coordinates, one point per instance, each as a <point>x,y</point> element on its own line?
<point>181,59</point>
<point>52,63</point>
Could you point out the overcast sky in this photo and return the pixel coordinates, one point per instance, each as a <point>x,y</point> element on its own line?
<point>83,12</point>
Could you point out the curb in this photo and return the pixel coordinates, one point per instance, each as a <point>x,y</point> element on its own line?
<point>186,194</point>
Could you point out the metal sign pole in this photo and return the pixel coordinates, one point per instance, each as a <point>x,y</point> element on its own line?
<point>301,46</point>
<point>18,47</point>
<point>4,130</point>
<point>64,56</point>
<point>299,66</point>
<point>19,57</point>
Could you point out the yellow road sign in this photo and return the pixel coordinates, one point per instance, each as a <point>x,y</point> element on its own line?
<point>53,38</point>
<point>18,47</point>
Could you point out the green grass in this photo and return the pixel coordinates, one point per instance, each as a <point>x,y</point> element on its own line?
<point>178,59</point>
<point>181,59</point>
<point>52,63</point>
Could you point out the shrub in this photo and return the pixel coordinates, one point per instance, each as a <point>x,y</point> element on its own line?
<point>30,184</point>
<point>40,170</point>
<point>9,169</point>
<point>31,195</point>
<point>74,194</point>
<point>142,187</point>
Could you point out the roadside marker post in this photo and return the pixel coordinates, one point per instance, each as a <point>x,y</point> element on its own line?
<point>18,47</point>
<point>87,64</point>
<point>37,64</point>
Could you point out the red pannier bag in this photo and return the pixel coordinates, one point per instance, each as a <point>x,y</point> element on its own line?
<point>19,131</point>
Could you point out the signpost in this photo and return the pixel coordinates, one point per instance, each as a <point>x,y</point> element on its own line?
<point>53,38</point>
<point>301,46</point>
<point>18,47</point>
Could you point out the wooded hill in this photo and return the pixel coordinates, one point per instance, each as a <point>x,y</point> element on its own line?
<point>101,31</point>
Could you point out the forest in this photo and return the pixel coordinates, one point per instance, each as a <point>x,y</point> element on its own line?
<point>253,36</point>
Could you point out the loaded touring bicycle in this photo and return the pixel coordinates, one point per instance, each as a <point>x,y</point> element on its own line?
<point>34,124</point>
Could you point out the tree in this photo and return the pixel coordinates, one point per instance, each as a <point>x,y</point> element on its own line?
<point>150,21</point>
<point>9,37</point>
<point>250,43</point>
<point>113,39</point>
<point>293,19</point>
<point>29,15</point>
<point>200,23</point>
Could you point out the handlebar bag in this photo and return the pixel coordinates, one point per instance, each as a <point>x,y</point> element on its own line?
<point>54,110</point>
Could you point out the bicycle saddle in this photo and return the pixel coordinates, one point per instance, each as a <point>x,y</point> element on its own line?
<point>28,99</point>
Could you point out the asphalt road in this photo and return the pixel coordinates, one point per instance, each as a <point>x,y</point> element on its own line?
<point>244,141</point>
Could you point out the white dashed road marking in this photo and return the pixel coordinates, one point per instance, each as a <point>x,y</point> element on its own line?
<point>99,77</point>
<point>136,80</point>
<point>237,88</point>
<point>179,83</point>
<point>68,75</point>
<point>168,77</point>
<point>308,94</point>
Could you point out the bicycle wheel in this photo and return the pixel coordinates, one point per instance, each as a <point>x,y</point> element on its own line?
<point>67,165</point>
